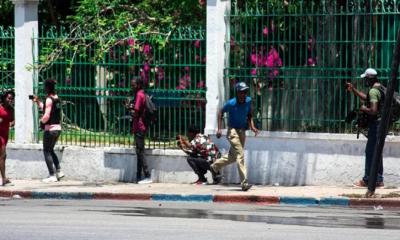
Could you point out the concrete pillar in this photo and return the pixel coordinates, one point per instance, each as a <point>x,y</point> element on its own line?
<point>26,30</point>
<point>217,58</point>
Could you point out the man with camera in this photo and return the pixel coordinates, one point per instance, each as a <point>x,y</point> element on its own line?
<point>372,107</point>
<point>51,124</point>
<point>139,128</point>
<point>202,153</point>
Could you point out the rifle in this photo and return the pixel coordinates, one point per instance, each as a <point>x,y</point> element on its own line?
<point>359,120</point>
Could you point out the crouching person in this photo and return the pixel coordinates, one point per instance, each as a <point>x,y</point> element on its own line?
<point>202,152</point>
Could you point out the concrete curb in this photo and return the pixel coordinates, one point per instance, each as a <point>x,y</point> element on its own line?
<point>246,199</point>
<point>249,199</point>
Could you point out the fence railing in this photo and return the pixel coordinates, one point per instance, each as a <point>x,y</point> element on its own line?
<point>94,88</point>
<point>298,55</point>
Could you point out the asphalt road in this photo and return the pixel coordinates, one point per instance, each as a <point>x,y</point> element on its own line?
<point>96,219</point>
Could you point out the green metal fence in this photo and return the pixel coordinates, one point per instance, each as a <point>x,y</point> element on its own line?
<point>7,62</point>
<point>298,55</point>
<point>94,87</point>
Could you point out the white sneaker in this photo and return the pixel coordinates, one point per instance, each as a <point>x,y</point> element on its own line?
<point>50,179</point>
<point>60,175</point>
<point>145,181</point>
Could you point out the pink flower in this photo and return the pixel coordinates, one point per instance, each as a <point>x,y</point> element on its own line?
<point>146,67</point>
<point>273,59</point>
<point>204,59</point>
<point>254,71</point>
<point>197,43</point>
<point>187,69</point>
<point>146,49</point>
<point>232,43</point>
<point>253,58</point>
<point>198,59</point>
<point>184,81</point>
<point>270,61</point>
<point>265,31</point>
<point>131,42</point>
<point>201,84</point>
<point>180,87</point>
<point>202,2</point>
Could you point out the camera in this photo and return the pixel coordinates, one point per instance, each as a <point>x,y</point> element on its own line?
<point>30,97</point>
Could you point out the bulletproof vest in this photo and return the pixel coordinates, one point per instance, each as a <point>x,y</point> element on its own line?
<point>55,113</point>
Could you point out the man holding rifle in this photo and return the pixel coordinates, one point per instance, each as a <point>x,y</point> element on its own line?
<point>372,106</point>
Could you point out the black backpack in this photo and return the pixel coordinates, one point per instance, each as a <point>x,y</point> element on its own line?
<point>395,109</point>
<point>150,113</point>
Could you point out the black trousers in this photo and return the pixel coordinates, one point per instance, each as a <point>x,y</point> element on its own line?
<point>49,141</point>
<point>141,161</point>
<point>199,165</point>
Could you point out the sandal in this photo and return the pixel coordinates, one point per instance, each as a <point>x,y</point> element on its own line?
<point>7,182</point>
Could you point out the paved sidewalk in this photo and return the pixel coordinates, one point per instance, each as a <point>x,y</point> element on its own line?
<point>306,195</point>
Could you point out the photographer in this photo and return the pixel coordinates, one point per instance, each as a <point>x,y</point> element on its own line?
<point>51,122</point>
<point>137,109</point>
<point>373,100</point>
<point>202,153</point>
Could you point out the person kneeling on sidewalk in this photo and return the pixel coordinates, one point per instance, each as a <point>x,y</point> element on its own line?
<point>201,151</point>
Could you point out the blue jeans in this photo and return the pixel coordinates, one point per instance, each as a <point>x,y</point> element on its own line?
<point>369,152</point>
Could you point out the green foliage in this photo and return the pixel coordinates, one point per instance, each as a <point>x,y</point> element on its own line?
<point>108,23</point>
<point>105,17</point>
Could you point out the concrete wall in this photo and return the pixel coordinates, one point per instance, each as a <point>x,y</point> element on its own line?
<point>277,157</point>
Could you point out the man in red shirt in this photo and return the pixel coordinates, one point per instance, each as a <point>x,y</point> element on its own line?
<point>6,121</point>
<point>137,109</point>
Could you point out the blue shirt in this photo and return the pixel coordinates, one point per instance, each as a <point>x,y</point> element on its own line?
<point>238,113</point>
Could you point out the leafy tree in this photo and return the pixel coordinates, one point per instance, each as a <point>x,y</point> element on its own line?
<point>108,22</point>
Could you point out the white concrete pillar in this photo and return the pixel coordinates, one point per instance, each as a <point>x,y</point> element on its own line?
<point>218,23</point>
<point>26,30</point>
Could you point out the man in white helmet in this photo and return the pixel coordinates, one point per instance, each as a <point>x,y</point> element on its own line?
<point>371,106</point>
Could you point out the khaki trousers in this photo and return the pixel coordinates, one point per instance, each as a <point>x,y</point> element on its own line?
<point>236,138</point>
